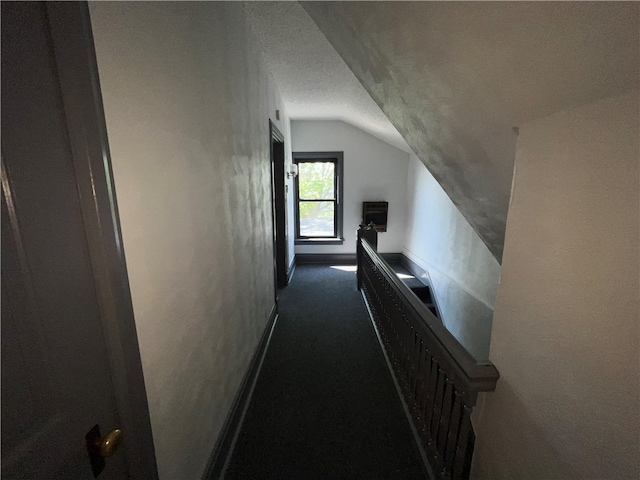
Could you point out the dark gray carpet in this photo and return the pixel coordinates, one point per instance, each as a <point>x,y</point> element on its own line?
<point>324,406</point>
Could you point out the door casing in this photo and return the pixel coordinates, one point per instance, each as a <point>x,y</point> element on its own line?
<point>276,140</point>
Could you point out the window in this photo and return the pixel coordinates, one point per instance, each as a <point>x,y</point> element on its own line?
<point>318,189</point>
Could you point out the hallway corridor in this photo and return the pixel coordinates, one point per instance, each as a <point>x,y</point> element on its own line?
<point>324,405</point>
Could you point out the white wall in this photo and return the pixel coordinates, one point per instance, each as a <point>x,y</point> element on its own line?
<point>373,170</point>
<point>565,329</point>
<point>463,271</point>
<point>187,103</point>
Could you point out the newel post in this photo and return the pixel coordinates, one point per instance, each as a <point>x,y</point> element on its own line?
<point>369,233</point>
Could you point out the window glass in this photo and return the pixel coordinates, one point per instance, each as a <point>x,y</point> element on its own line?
<point>318,203</point>
<point>317,180</point>
<point>317,219</point>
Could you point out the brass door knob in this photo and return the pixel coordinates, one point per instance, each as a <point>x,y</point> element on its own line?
<point>108,444</point>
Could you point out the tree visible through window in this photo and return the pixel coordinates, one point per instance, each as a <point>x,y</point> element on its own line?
<point>318,198</point>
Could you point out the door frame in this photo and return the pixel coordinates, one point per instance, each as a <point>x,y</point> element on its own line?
<point>276,149</point>
<point>75,58</point>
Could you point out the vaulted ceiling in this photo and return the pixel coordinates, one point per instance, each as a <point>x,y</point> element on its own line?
<point>456,79</point>
<point>312,78</point>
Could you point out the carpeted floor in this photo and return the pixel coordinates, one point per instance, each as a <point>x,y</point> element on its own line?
<point>324,406</point>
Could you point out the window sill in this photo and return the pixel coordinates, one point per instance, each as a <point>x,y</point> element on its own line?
<point>319,241</point>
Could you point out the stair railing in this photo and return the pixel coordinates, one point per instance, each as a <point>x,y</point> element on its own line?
<point>438,378</point>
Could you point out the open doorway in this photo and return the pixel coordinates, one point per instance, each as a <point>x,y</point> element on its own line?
<point>279,206</point>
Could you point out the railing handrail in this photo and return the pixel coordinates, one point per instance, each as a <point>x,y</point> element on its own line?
<point>479,377</point>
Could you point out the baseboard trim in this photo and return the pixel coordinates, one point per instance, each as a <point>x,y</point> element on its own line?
<point>392,257</point>
<point>339,258</point>
<point>326,258</point>
<point>223,449</point>
<point>291,269</point>
<point>405,407</point>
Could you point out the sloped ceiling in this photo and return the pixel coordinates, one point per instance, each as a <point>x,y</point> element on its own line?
<point>313,80</point>
<point>455,78</point>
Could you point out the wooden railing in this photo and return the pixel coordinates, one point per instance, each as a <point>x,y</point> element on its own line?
<point>438,378</point>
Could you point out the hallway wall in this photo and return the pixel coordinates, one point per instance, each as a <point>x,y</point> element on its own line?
<point>463,272</point>
<point>565,329</point>
<point>187,102</point>
<point>373,171</point>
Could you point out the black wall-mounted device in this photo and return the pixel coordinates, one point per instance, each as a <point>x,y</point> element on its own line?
<point>376,213</point>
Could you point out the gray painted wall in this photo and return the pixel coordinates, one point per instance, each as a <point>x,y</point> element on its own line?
<point>373,170</point>
<point>463,272</point>
<point>187,103</point>
<point>565,328</point>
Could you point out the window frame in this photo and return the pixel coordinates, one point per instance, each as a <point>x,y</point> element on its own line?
<point>337,158</point>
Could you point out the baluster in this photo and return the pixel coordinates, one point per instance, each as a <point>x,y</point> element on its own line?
<point>437,406</point>
<point>437,461</point>
<point>454,429</point>
<point>415,385</point>
<point>404,351</point>
<point>407,345</point>
<point>445,416</point>
<point>425,366</point>
<point>410,345</point>
<point>425,370</point>
<point>405,336</point>
<point>464,447</point>
<point>397,330</point>
<point>431,395</point>
<point>414,363</point>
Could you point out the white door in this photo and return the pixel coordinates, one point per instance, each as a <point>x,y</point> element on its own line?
<point>57,382</point>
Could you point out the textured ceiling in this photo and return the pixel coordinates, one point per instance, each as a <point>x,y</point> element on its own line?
<point>455,78</point>
<point>313,80</point>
